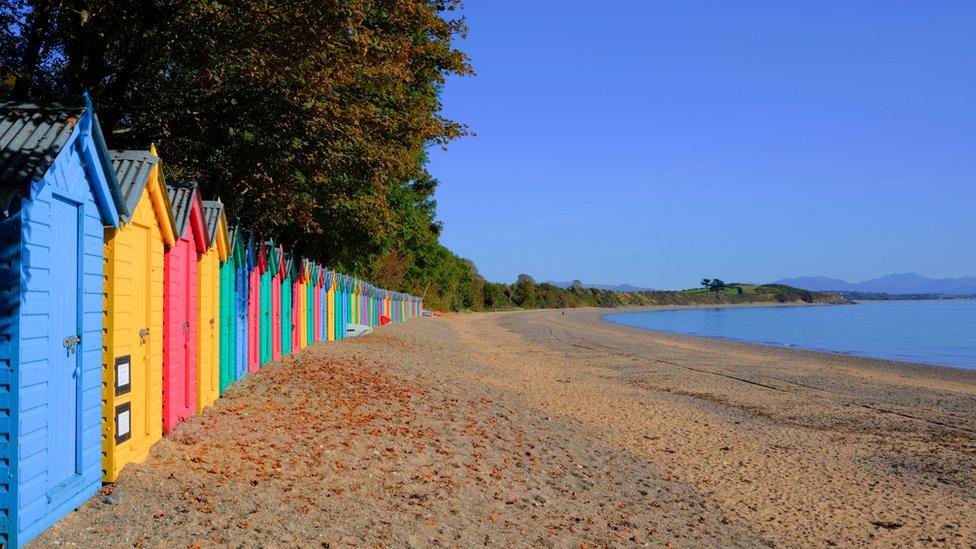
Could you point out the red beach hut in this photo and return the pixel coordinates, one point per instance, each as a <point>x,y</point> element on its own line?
<point>180,305</point>
<point>256,260</point>
<point>298,271</point>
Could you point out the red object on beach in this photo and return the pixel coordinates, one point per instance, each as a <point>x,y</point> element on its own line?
<point>384,320</point>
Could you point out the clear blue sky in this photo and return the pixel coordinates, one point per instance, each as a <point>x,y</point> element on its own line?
<point>657,143</point>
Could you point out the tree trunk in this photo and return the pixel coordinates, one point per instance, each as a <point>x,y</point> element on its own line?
<point>38,25</point>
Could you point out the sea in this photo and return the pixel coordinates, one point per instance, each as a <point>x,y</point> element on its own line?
<point>930,332</point>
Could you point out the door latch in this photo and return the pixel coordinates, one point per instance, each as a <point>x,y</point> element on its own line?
<point>71,343</point>
<point>144,333</point>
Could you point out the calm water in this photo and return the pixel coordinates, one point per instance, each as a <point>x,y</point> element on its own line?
<point>933,332</point>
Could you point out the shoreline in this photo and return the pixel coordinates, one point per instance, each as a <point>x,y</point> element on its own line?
<point>894,366</point>
<point>774,346</point>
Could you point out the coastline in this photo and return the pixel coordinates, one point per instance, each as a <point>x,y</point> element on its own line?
<point>878,361</point>
<point>555,427</point>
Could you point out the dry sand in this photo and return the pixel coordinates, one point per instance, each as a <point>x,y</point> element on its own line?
<point>554,428</point>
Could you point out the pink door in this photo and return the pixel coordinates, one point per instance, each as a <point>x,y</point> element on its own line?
<point>276,317</point>
<point>296,314</point>
<point>317,332</point>
<point>253,321</point>
<point>179,334</point>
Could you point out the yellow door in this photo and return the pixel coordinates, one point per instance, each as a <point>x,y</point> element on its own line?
<point>208,371</point>
<point>330,310</point>
<point>139,332</point>
<point>127,420</point>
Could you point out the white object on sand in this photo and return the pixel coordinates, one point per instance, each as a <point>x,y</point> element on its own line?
<point>353,330</point>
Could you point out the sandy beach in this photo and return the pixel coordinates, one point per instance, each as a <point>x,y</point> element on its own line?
<point>556,429</point>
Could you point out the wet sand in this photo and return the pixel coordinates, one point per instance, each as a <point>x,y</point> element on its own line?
<point>555,428</point>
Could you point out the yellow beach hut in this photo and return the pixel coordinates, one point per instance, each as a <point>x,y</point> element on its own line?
<point>132,345</point>
<point>330,307</point>
<point>208,344</point>
<point>303,282</point>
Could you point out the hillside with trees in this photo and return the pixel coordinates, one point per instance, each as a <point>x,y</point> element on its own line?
<point>526,293</point>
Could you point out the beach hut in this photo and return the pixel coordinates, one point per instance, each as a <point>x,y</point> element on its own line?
<point>255,259</point>
<point>376,302</point>
<point>357,302</point>
<point>181,304</point>
<point>286,330</point>
<point>316,315</point>
<point>228,314</point>
<point>303,284</point>
<point>365,304</point>
<point>377,305</point>
<point>330,305</point>
<point>326,284</point>
<point>132,344</point>
<point>242,298</point>
<point>277,318</point>
<point>338,328</point>
<point>296,304</point>
<point>310,301</point>
<point>270,265</point>
<point>58,191</point>
<point>208,303</point>
<point>349,304</point>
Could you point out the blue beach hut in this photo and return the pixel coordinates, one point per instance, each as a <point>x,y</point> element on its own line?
<point>57,193</point>
<point>244,260</point>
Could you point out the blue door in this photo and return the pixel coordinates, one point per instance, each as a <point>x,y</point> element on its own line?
<point>241,296</point>
<point>64,388</point>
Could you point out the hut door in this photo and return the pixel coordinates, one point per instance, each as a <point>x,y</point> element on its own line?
<point>140,328</point>
<point>189,333</point>
<point>64,388</point>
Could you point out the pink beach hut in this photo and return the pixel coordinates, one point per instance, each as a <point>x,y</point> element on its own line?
<point>180,305</point>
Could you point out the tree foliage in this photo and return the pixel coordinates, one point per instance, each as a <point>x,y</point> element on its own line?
<point>308,118</point>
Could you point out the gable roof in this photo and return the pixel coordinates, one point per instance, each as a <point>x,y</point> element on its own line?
<point>132,169</point>
<point>184,198</point>
<point>211,216</point>
<point>215,224</point>
<point>181,197</point>
<point>237,245</point>
<point>32,136</point>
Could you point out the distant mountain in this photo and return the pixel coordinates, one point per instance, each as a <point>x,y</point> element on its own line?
<point>895,284</point>
<point>611,287</point>
<point>819,284</point>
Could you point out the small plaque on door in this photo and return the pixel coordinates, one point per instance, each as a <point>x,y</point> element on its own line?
<point>123,375</point>
<point>123,422</point>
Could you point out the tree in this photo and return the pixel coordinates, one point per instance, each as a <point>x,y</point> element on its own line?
<point>524,292</point>
<point>308,118</point>
<point>706,283</point>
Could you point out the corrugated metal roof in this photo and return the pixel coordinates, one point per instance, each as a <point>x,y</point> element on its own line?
<point>181,196</point>
<point>132,169</point>
<point>31,136</point>
<point>212,209</point>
